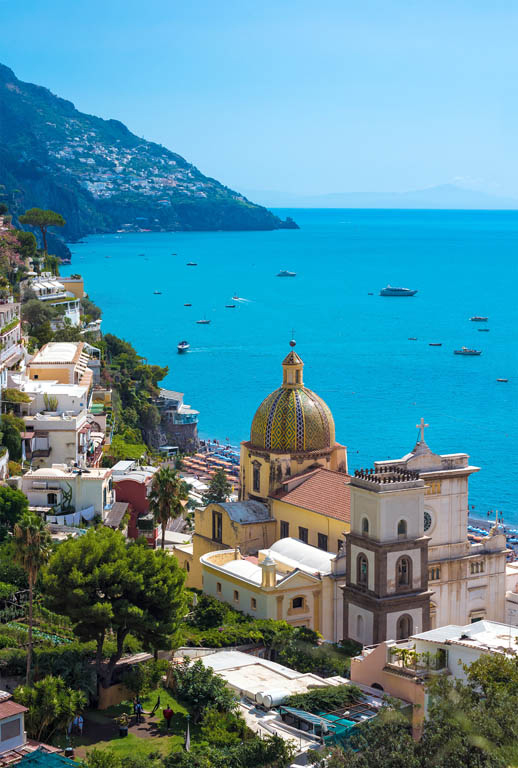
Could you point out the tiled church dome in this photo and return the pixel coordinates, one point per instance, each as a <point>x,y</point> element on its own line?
<point>292,419</point>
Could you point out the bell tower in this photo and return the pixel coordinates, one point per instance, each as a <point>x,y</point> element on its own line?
<point>386,594</point>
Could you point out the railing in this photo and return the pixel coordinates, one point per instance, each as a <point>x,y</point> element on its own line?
<point>10,326</point>
<point>8,352</point>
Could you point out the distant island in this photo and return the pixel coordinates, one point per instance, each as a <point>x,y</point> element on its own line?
<point>102,177</point>
<point>442,197</point>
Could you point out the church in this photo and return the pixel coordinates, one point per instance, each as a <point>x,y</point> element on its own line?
<point>401,526</point>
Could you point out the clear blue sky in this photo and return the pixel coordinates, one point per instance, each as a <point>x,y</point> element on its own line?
<point>306,96</point>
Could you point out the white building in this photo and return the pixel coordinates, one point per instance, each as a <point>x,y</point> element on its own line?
<point>52,291</point>
<point>14,744</point>
<point>291,580</point>
<point>467,580</point>
<point>67,495</point>
<point>58,428</point>
<point>11,349</point>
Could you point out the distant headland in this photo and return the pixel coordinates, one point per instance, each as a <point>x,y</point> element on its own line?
<point>102,177</point>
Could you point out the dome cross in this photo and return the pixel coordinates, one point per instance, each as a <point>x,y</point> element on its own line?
<point>421,427</point>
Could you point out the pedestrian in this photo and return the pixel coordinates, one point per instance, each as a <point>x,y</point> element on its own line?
<point>168,713</point>
<point>139,710</point>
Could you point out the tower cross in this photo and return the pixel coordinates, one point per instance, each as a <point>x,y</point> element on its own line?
<point>421,426</point>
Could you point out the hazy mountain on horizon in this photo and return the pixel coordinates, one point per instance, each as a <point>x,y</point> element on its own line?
<point>442,196</point>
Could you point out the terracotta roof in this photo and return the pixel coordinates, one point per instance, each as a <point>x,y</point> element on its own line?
<point>325,492</point>
<point>9,708</point>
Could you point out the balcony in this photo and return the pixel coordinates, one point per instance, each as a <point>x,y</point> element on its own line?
<point>404,659</point>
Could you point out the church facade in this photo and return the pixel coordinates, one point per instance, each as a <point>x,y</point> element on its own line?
<point>467,580</point>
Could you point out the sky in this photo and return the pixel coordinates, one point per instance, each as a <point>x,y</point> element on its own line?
<point>298,96</point>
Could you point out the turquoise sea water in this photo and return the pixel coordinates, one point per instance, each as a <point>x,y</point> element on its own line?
<point>355,346</point>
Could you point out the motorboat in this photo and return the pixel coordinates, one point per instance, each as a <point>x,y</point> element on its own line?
<point>467,351</point>
<point>412,338</point>
<point>192,264</point>
<point>286,273</point>
<point>157,293</point>
<point>187,305</point>
<point>435,344</point>
<point>503,380</point>
<point>484,330</point>
<point>479,319</point>
<point>183,346</point>
<point>230,306</point>
<point>391,291</point>
<point>203,322</point>
<point>370,294</point>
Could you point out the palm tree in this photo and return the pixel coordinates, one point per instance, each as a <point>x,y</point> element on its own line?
<point>167,493</point>
<point>32,550</point>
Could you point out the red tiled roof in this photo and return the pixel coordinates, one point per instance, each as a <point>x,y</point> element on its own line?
<point>325,492</point>
<point>9,708</point>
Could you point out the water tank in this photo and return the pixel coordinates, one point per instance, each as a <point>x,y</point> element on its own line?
<point>274,697</point>
<point>259,698</point>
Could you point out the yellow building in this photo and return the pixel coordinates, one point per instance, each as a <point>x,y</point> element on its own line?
<point>294,480</point>
<point>63,361</point>
<point>290,580</point>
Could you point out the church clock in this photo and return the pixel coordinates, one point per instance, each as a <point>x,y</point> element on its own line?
<point>427,521</point>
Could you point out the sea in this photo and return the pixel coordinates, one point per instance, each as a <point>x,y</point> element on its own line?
<point>356,345</point>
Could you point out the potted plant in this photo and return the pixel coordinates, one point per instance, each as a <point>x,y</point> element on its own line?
<point>123,723</point>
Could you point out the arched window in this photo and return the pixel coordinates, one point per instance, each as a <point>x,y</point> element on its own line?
<point>365,526</point>
<point>377,686</point>
<point>404,572</point>
<point>257,477</point>
<point>359,628</point>
<point>404,627</point>
<point>362,570</point>
<point>402,528</point>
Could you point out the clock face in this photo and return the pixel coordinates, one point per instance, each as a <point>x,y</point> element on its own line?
<point>427,521</point>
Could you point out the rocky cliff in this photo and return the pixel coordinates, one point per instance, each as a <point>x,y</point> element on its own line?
<point>103,178</point>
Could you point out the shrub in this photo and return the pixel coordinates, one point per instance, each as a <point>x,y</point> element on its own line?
<point>324,699</point>
<point>201,689</point>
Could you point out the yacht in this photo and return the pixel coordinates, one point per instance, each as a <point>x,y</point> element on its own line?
<point>479,319</point>
<point>183,346</point>
<point>390,291</point>
<point>467,351</point>
<point>286,273</point>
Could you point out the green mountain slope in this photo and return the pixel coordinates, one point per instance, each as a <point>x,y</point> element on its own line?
<point>103,178</point>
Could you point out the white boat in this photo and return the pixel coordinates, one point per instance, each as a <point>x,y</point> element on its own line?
<point>203,322</point>
<point>286,273</point>
<point>391,291</point>
<point>183,346</point>
<point>467,351</point>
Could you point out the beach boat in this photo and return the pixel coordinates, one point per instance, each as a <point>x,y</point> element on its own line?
<point>467,352</point>
<point>435,344</point>
<point>370,294</point>
<point>174,254</point>
<point>483,330</point>
<point>157,293</point>
<point>286,273</point>
<point>187,305</point>
<point>478,319</point>
<point>142,254</point>
<point>230,306</point>
<point>183,346</point>
<point>503,380</point>
<point>391,291</point>
<point>203,322</point>
<point>412,338</point>
<point>191,264</point>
